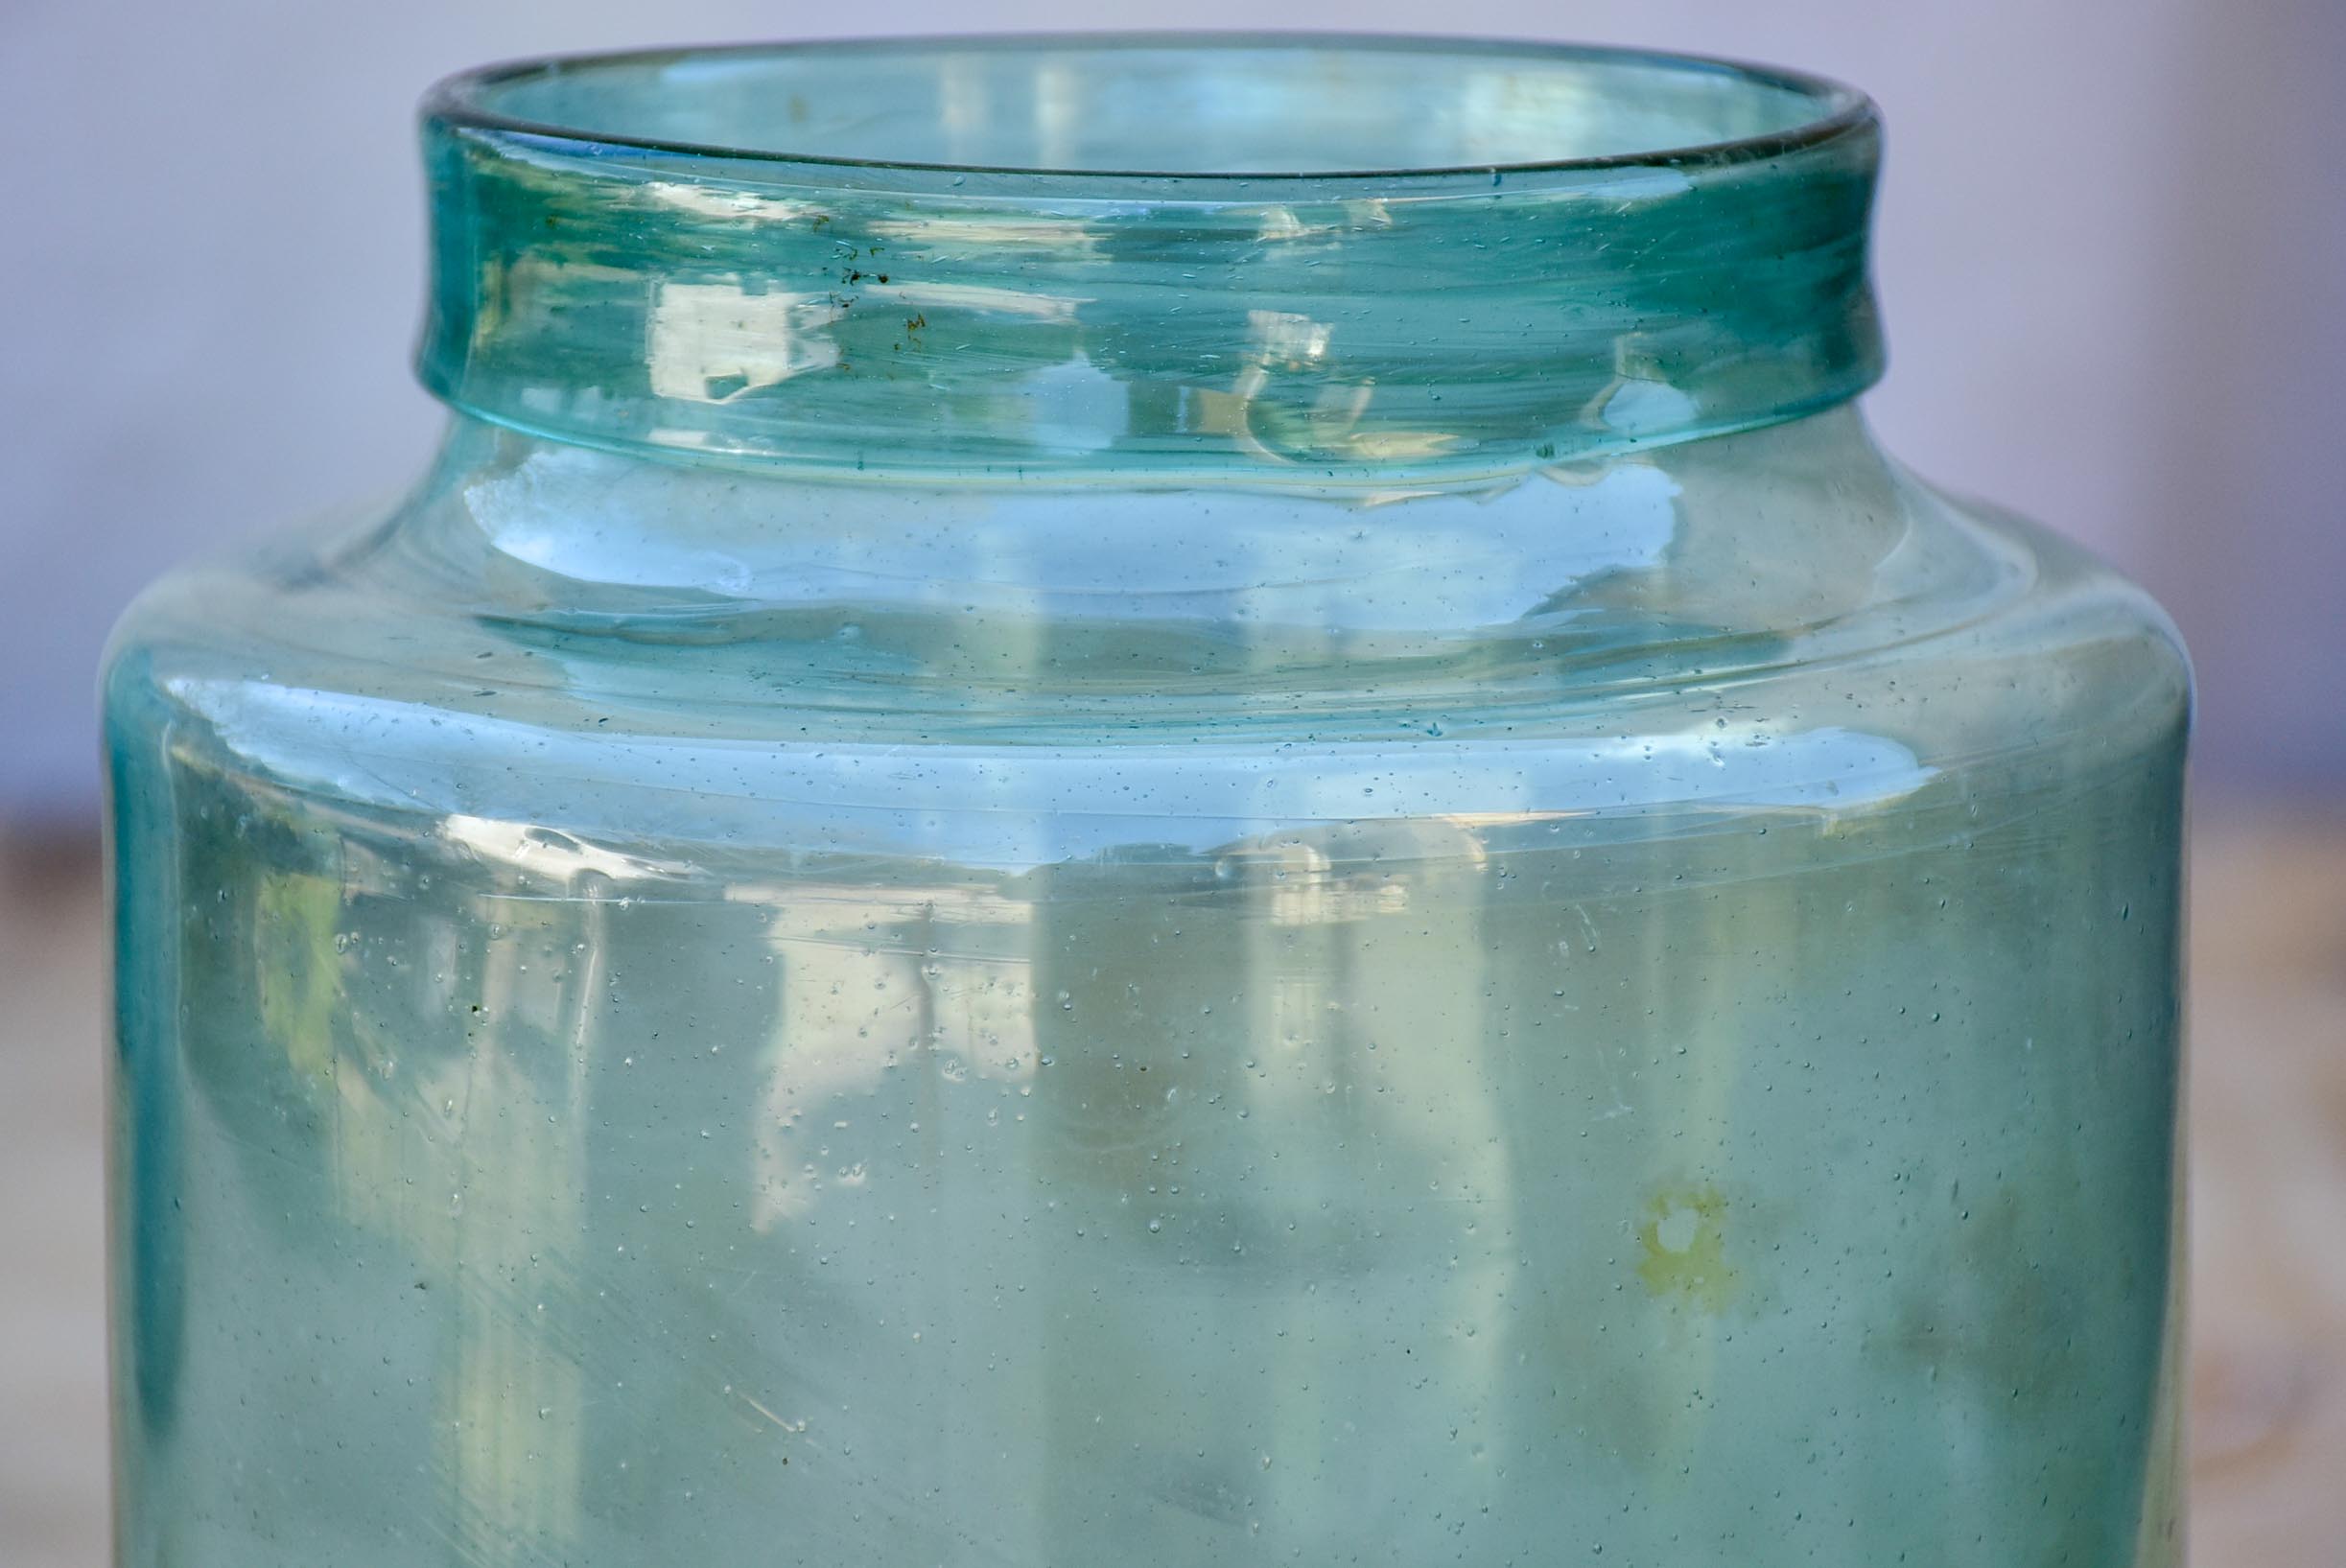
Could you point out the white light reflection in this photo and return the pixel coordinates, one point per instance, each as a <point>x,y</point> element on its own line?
<point>1037,804</point>
<point>710,342</point>
<point>853,1010</point>
<point>716,201</point>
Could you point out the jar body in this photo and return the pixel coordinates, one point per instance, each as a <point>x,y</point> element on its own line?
<point>674,1015</point>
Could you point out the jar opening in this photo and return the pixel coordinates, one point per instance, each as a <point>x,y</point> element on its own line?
<point>1187,105</point>
<point>967,259</point>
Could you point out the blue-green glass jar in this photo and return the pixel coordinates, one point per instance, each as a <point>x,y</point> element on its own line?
<point>1162,802</point>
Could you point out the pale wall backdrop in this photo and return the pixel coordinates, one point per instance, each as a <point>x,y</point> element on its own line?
<point>2112,252</point>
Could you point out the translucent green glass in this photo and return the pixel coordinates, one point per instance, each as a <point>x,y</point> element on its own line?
<point>1148,802</point>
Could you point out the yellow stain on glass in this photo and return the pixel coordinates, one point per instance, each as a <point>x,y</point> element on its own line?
<point>1681,1235</point>
<point>297,966</point>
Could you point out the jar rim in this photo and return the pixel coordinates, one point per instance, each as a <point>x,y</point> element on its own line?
<point>654,286</point>
<point>470,101</point>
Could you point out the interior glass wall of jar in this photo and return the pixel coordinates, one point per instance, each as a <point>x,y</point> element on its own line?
<point>1255,106</point>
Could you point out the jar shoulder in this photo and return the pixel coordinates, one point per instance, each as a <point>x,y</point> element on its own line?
<point>1779,622</point>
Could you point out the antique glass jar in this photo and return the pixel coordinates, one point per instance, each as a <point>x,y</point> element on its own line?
<point>1167,801</point>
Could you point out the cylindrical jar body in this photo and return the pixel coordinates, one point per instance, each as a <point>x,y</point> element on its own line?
<point>1172,976</point>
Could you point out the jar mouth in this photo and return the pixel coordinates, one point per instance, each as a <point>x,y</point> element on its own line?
<point>1375,258</point>
<point>1076,111</point>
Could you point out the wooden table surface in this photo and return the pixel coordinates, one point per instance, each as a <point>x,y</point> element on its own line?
<point>2268,1199</point>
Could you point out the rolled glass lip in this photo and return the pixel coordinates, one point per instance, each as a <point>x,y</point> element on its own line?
<point>464,103</point>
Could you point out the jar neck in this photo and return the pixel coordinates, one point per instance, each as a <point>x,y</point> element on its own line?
<point>968,324</point>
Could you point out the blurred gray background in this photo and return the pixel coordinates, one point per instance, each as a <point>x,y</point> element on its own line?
<point>2112,251</point>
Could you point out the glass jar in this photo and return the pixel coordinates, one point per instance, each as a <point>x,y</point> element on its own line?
<point>1298,859</point>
